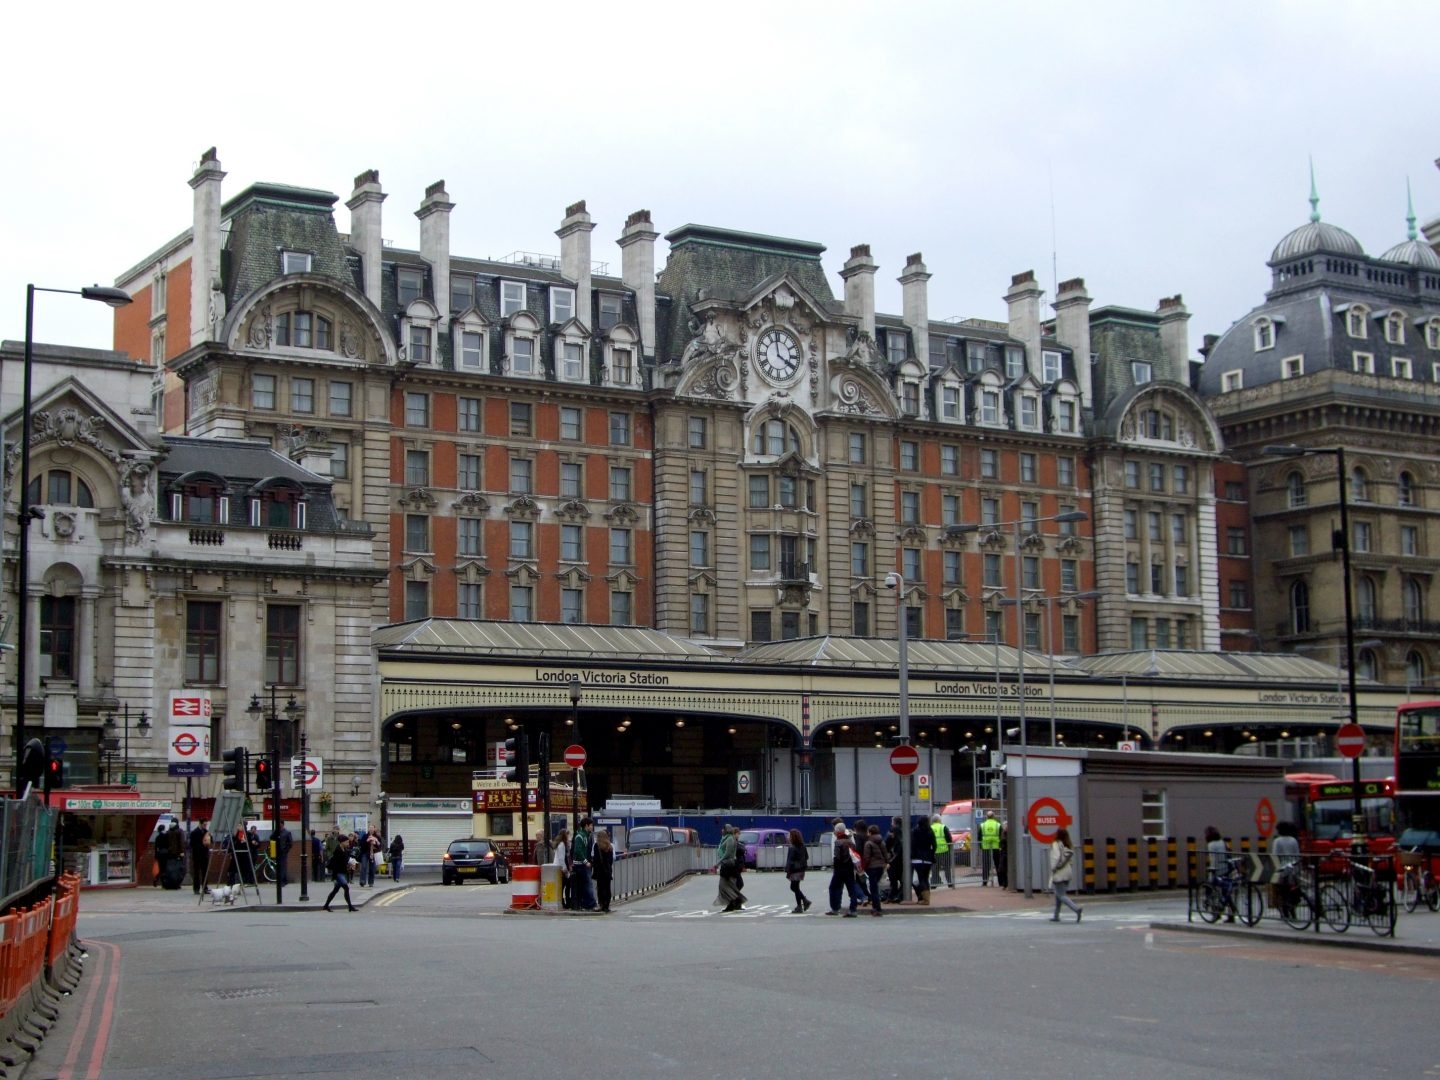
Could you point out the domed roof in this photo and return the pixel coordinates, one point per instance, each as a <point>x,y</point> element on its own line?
<point>1414,253</point>
<point>1316,236</point>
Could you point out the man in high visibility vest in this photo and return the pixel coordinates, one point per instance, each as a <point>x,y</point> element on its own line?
<point>944,853</point>
<point>989,846</point>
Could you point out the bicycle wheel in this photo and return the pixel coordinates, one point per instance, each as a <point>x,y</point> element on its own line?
<point>1334,908</point>
<point>1252,904</point>
<point>267,872</point>
<point>1410,889</point>
<point>1432,894</point>
<point>1380,911</point>
<point>1212,903</point>
<point>1295,909</point>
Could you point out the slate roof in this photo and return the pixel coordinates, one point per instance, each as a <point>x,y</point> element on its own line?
<point>535,640</point>
<point>243,465</point>
<point>264,220</point>
<point>1316,236</point>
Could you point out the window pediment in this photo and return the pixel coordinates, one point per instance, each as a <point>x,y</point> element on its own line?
<point>573,510</point>
<point>418,499</point>
<point>622,514</point>
<point>523,507</point>
<point>471,503</point>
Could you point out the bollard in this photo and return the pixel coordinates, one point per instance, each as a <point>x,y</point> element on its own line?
<point>1112,872</point>
<point>1152,862</point>
<point>1172,863</point>
<point>525,887</point>
<point>1087,865</point>
<point>1132,863</point>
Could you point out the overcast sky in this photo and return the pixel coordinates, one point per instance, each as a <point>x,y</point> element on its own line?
<point>1151,148</point>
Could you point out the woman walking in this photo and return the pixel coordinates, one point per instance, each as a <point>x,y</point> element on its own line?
<point>1062,865</point>
<point>602,868</point>
<point>339,867</point>
<point>875,858</point>
<point>731,864</point>
<point>797,859</point>
<point>842,874</point>
<point>397,857</point>
<point>562,860</point>
<point>922,857</point>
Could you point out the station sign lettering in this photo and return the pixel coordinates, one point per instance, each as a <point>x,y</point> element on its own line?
<point>597,679</point>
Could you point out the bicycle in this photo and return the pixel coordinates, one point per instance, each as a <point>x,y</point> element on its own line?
<point>1419,884</point>
<point>1291,895</point>
<point>1362,897</point>
<point>265,869</point>
<point>1218,896</point>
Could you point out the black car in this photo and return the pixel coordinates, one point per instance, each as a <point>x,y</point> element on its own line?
<point>648,838</point>
<point>466,860</point>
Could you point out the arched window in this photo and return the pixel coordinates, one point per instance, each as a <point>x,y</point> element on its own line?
<point>60,487</point>
<point>1365,601</point>
<point>303,330</point>
<point>775,437</point>
<point>1295,487</point>
<point>1414,669</point>
<point>1366,665</point>
<point>1359,485</point>
<point>1405,489</point>
<point>1414,602</point>
<point>1300,608</point>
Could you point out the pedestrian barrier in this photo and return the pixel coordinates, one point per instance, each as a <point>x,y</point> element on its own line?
<point>1112,872</point>
<point>525,887</point>
<point>1152,861</point>
<point>1132,862</point>
<point>1160,867</point>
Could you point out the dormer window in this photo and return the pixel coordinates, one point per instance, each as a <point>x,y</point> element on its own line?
<point>952,402</point>
<point>201,503</point>
<point>1362,363</point>
<point>610,311</point>
<point>419,344</point>
<point>303,330</point>
<point>1029,412</point>
<point>1292,367</point>
<point>1264,334</point>
<point>989,407</point>
<point>1231,381</point>
<point>295,262</point>
<point>910,398</point>
<point>1432,334</point>
<point>1355,321</point>
<point>462,292</point>
<point>1141,372</point>
<point>975,357</point>
<point>512,298</point>
<point>1014,362</point>
<point>1065,416</point>
<point>472,350</point>
<point>1395,328</point>
<point>895,347</point>
<point>278,508</point>
<point>571,361</point>
<point>562,304</point>
<point>522,356</point>
<point>620,352</point>
<point>1050,366</point>
<point>409,286</point>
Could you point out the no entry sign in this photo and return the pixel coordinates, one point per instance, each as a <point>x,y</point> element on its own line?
<point>575,756</point>
<point>1046,818</point>
<point>904,760</point>
<point>1350,740</point>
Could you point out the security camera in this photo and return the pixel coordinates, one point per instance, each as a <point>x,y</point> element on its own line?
<point>1011,732</point>
<point>893,580</point>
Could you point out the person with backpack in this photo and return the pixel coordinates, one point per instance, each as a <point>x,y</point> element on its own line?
<point>797,859</point>
<point>842,873</point>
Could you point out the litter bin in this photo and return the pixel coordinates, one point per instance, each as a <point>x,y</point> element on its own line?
<point>550,885</point>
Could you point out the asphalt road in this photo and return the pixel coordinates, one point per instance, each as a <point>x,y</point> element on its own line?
<point>426,980</point>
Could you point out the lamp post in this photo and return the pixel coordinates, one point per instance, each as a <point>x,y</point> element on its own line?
<point>1341,539</point>
<point>896,581</point>
<point>574,773</point>
<point>283,747</point>
<point>142,725</point>
<point>115,298</point>
<point>1050,601</point>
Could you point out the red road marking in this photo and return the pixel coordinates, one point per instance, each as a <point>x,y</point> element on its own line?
<point>105,985</point>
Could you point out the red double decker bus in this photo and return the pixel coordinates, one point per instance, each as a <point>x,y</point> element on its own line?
<point>1322,807</point>
<point>1417,763</point>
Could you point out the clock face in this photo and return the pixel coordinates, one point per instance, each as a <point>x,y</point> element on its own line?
<point>778,354</point>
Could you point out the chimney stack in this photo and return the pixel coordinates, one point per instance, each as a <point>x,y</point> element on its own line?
<point>1072,329</point>
<point>364,207</point>
<point>205,248</point>
<point>434,215</point>
<point>916,297</point>
<point>574,234</point>
<point>1175,335</point>
<point>1024,301</point>
<point>637,270</point>
<point>859,276</point>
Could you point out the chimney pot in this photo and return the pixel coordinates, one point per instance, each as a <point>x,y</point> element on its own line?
<point>575,208</point>
<point>1024,278</point>
<point>860,251</point>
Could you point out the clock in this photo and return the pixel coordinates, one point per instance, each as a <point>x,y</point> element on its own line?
<point>778,354</point>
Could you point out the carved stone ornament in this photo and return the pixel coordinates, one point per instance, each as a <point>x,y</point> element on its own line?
<point>853,397</point>
<point>349,340</point>
<point>137,496</point>
<point>262,328</point>
<point>523,506</point>
<point>419,499</point>
<point>65,427</point>
<point>62,525</point>
<point>1033,542</point>
<point>472,502</point>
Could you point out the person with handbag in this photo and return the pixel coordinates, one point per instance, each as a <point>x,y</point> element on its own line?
<point>876,859</point>
<point>1062,866</point>
<point>339,867</point>
<point>730,862</point>
<point>842,874</point>
<point>797,859</point>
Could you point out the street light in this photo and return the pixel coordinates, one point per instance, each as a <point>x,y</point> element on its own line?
<point>896,581</point>
<point>112,741</point>
<point>115,298</point>
<point>283,747</point>
<point>1017,601</point>
<point>574,773</point>
<point>1049,602</point>
<point>1341,539</point>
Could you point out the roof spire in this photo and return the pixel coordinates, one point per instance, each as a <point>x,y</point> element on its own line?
<point>1314,195</point>
<point>1409,212</point>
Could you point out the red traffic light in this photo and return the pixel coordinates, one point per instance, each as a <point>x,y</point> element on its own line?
<point>263,779</point>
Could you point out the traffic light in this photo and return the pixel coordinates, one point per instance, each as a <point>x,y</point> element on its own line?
<point>264,778</point>
<point>54,767</point>
<point>516,760</point>
<point>236,768</point>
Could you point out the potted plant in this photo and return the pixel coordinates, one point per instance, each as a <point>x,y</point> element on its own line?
<point>325,802</point>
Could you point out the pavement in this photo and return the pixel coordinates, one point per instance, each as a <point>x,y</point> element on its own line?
<point>1415,933</point>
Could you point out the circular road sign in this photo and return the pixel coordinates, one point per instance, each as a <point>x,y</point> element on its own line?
<point>1265,817</point>
<point>575,756</point>
<point>904,760</point>
<point>186,744</point>
<point>1045,818</point>
<point>1350,740</point>
<point>307,773</point>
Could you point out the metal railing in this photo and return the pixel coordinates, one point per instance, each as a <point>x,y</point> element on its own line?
<point>27,847</point>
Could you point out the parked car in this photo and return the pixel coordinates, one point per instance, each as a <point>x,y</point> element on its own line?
<point>466,860</point>
<point>648,838</point>
<point>690,837</point>
<point>752,839</point>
